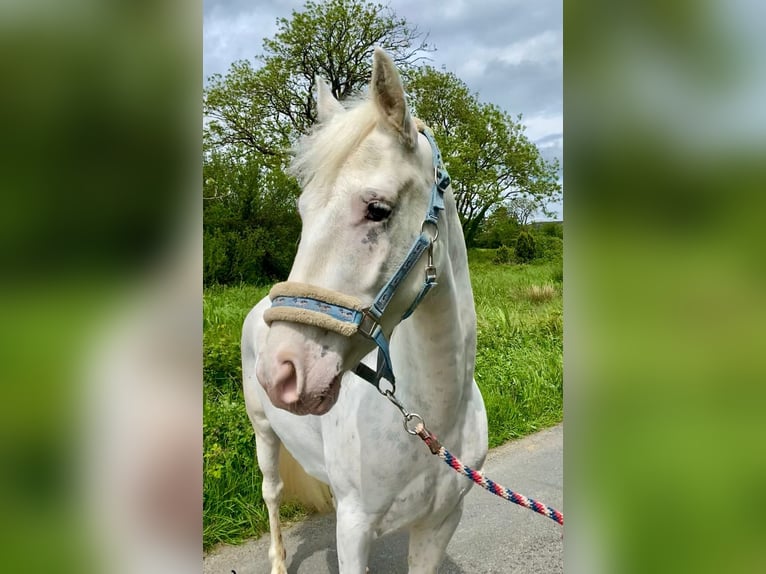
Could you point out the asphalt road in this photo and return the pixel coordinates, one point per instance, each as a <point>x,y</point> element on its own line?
<point>494,536</point>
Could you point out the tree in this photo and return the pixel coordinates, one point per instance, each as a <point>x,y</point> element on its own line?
<point>250,224</point>
<point>525,206</point>
<point>490,159</point>
<point>499,228</point>
<point>525,247</point>
<point>263,109</point>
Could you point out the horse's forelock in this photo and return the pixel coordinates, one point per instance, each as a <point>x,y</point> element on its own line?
<point>320,155</point>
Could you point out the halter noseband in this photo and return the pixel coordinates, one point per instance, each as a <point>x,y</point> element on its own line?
<point>343,314</point>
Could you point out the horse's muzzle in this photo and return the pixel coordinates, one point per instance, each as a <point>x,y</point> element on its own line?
<point>300,379</point>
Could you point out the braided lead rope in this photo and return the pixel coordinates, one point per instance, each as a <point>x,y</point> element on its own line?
<point>436,448</point>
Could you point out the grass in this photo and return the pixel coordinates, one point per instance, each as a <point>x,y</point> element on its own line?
<point>540,293</point>
<point>518,368</point>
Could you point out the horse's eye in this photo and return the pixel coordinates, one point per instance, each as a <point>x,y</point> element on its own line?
<point>377,211</point>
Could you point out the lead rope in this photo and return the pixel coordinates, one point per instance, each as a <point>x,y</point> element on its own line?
<point>454,463</point>
<point>436,448</point>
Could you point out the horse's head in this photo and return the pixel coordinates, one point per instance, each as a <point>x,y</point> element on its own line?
<point>366,175</point>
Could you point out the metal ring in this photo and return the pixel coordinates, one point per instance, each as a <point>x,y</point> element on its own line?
<point>436,227</point>
<point>408,418</point>
<point>389,393</point>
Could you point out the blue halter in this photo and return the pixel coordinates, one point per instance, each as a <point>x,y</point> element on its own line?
<point>367,320</point>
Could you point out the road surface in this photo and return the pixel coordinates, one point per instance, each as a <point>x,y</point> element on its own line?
<point>494,536</point>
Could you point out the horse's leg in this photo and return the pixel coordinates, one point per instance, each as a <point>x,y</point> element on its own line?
<point>267,448</point>
<point>429,543</point>
<point>354,534</point>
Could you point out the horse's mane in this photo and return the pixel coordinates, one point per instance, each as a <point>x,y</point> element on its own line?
<point>320,154</point>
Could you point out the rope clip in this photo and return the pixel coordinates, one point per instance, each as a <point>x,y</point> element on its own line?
<point>430,268</point>
<point>430,439</point>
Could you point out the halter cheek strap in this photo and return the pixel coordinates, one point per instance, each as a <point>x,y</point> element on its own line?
<point>343,314</point>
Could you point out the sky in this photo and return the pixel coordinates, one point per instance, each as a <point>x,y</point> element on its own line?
<point>508,51</point>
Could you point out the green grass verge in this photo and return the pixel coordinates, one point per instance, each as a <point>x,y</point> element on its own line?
<point>518,368</point>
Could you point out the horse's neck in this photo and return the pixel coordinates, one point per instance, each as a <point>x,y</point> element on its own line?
<point>436,347</point>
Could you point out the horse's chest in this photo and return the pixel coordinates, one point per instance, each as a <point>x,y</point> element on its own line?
<point>429,497</point>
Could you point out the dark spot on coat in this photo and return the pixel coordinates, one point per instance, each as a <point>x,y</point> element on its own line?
<point>372,237</point>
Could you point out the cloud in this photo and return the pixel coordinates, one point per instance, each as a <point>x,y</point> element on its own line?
<point>543,48</point>
<point>541,127</point>
<point>235,29</point>
<point>510,52</point>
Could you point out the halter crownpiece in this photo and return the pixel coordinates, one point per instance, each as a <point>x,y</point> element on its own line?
<point>344,314</point>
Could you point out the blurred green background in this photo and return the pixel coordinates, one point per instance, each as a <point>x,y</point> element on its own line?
<point>665,143</point>
<point>100,109</point>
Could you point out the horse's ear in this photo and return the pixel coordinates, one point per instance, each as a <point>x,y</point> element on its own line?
<point>327,105</point>
<point>388,94</point>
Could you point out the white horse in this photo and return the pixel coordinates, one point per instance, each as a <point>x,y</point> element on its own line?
<point>367,175</point>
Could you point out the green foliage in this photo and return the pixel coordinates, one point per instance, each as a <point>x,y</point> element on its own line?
<point>335,39</point>
<point>503,256</point>
<point>221,363</point>
<point>480,256</point>
<point>552,228</point>
<point>525,247</point>
<point>250,225</point>
<point>518,368</point>
<point>500,228</point>
<point>232,506</point>
<point>548,247</point>
<point>491,160</point>
<point>223,312</point>
<point>558,272</point>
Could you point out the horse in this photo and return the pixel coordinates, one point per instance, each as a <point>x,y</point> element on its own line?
<point>367,173</point>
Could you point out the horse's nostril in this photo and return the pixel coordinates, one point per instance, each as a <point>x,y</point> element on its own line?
<point>286,383</point>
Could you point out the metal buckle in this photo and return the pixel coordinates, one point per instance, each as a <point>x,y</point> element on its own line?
<point>430,268</point>
<point>368,324</point>
<point>443,183</point>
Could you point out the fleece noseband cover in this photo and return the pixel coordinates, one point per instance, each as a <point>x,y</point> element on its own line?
<point>313,305</point>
